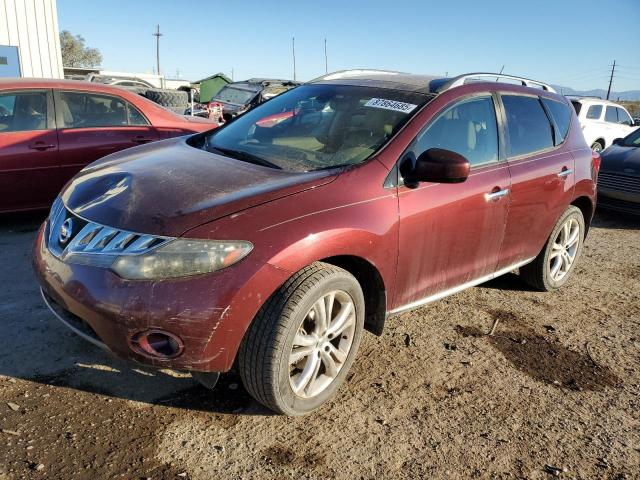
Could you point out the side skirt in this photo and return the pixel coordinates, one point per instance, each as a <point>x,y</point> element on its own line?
<point>459,288</point>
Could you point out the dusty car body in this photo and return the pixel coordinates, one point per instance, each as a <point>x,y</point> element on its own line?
<point>619,181</point>
<point>394,227</point>
<point>50,129</point>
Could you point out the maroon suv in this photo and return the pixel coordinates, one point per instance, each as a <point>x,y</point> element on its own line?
<point>273,244</point>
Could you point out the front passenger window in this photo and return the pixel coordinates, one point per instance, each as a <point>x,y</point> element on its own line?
<point>468,128</point>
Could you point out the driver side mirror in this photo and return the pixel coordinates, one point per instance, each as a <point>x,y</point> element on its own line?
<point>636,122</point>
<point>438,165</point>
<point>618,141</point>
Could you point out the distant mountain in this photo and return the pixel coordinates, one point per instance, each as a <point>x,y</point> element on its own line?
<point>629,95</point>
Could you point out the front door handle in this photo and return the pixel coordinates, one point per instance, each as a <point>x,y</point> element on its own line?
<point>41,146</point>
<point>496,194</point>
<point>565,172</point>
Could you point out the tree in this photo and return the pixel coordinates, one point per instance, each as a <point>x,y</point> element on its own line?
<point>74,52</point>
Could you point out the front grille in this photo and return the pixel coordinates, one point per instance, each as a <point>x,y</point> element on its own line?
<point>619,182</point>
<point>74,239</point>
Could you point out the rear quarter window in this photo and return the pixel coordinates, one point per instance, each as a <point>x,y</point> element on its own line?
<point>594,112</point>
<point>561,116</point>
<point>528,127</point>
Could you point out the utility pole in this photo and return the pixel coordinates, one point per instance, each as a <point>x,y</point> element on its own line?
<point>613,69</point>
<point>293,47</point>
<point>326,62</point>
<point>502,69</point>
<point>157,35</point>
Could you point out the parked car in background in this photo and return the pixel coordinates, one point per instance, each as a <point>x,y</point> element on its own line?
<point>238,97</point>
<point>50,129</point>
<point>619,181</point>
<point>119,81</point>
<point>602,121</point>
<point>279,238</point>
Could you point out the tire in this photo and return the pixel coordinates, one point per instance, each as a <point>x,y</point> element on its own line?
<point>539,273</point>
<point>168,98</point>
<point>265,354</point>
<point>597,146</point>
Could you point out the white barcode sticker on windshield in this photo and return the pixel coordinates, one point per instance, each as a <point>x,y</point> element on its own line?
<point>390,105</point>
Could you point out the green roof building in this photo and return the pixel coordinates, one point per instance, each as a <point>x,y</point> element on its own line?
<point>211,85</point>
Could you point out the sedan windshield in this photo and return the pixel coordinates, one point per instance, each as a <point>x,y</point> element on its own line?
<point>317,126</point>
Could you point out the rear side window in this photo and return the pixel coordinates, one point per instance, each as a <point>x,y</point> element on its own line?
<point>577,106</point>
<point>561,116</point>
<point>90,110</point>
<point>23,111</point>
<point>611,115</point>
<point>528,128</point>
<point>468,128</point>
<point>594,112</point>
<point>623,117</point>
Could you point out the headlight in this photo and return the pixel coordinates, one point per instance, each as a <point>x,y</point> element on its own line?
<point>181,258</point>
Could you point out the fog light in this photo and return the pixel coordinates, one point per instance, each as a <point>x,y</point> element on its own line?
<point>157,343</point>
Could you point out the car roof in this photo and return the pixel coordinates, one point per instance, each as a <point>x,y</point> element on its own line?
<point>593,100</point>
<point>14,83</point>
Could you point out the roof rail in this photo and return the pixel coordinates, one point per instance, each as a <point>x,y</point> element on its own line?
<point>462,79</point>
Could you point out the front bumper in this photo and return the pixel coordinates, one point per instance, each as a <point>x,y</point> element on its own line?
<point>209,313</point>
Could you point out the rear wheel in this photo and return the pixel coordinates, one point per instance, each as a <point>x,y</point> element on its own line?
<point>597,146</point>
<point>554,265</point>
<point>299,348</point>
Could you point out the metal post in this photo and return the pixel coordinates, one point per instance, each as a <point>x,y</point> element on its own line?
<point>326,62</point>
<point>293,47</point>
<point>157,35</point>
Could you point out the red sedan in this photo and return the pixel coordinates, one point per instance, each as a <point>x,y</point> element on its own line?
<point>50,129</point>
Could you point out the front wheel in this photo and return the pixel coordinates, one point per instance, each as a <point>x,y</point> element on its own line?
<point>554,265</point>
<point>300,346</point>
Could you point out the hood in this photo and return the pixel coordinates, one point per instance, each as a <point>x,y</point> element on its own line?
<point>168,187</point>
<point>619,159</point>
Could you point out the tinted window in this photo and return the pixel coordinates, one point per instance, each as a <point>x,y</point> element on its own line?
<point>632,140</point>
<point>623,117</point>
<point>611,115</point>
<point>528,128</point>
<point>87,110</point>
<point>468,128</point>
<point>21,112</point>
<point>577,106</point>
<point>135,117</point>
<point>561,116</point>
<point>594,112</point>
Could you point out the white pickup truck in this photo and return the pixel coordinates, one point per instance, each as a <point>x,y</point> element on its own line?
<point>602,121</point>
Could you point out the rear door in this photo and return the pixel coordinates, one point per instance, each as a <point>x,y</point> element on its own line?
<point>450,234</point>
<point>92,125</point>
<point>29,160</point>
<point>542,177</point>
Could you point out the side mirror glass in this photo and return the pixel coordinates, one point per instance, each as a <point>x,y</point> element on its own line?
<point>439,166</point>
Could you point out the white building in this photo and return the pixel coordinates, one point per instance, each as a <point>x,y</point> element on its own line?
<point>29,39</point>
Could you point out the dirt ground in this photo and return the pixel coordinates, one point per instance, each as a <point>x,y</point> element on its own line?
<point>554,392</point>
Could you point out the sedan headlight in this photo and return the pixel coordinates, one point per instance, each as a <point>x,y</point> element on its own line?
<point>181,258</point>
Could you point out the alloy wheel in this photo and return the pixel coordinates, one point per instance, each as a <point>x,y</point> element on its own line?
<point>564,249</point>
<point>322,344</point>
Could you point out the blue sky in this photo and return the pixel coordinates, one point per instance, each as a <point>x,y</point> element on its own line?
<point>567,42</point>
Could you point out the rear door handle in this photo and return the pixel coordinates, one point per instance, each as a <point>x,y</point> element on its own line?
<point>140,139</point>
<point>496,194</point>
<point>565,172</point>
<point>41,146</point>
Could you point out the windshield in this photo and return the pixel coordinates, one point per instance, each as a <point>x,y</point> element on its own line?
<point>317,126</point>
<point>234,95</point>
<point>633,139</point>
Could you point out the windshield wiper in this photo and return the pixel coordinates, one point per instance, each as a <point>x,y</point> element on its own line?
<point>246,157</point>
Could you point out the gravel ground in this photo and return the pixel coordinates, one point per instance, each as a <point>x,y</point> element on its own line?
<point>553,392</point>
